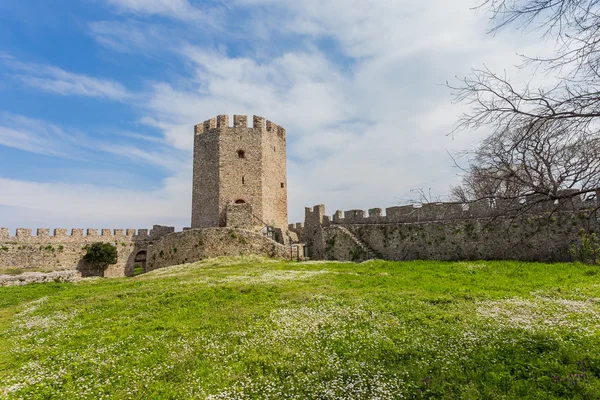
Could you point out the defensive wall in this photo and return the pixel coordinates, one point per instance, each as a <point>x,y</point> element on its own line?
<point>64,250</point>
<point>152,249</point>
<point>199,244</point>
<point>534,231</point>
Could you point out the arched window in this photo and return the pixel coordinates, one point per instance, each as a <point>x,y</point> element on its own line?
<point>241,154</point>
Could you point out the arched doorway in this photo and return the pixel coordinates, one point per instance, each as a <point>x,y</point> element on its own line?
<point>139,262</point>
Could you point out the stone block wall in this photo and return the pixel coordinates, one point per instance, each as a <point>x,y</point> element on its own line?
<point>437,232</point>
<point>343,245</point>
<point>238,163</point>
<point>63,250</point>
<point>240,216</point>
<point>198,244</point>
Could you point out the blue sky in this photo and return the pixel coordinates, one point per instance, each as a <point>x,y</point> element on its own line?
<point>98,99</point>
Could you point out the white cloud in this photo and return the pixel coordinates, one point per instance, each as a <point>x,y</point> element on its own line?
<point>178,9</point>
<point>55,80</point>
<point>56,204</point>
<point>366,113</point>
<point>362,133</point>
<point>41,137</point>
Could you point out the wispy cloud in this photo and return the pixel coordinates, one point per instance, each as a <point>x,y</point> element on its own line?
<point>35,136</point>
<point>40,137</point>
<point>55,80</point>
<point>131,36</point>
<point>178,9</point>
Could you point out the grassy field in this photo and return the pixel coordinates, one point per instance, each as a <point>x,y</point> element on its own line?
<point>255,328</point>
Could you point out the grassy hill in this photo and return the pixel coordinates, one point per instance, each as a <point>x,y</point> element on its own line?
<point>255,328</point>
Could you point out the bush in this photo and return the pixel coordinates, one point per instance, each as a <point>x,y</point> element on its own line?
<point>101,254</point>
<point>589,249</point>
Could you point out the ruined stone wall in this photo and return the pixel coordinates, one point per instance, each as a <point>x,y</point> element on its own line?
<point>540,236</point>
<point>235,164</point>
<point>198,244</point>
<point>63,251</point>
<point>313,234</point>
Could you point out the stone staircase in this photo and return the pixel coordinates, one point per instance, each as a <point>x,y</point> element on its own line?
<point>369,253</point>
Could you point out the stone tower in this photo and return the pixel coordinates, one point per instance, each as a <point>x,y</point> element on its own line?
<point>239,166</point>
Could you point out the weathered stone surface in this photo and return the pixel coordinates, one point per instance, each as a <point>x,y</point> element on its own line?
<point>435,232</point>
<point>239,164</point>
<point>39,277</point>
<point>65,252</point>
<point>240,216</point>
<point>198,244</point>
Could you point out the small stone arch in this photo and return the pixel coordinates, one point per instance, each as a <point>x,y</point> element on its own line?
<point>140,259</point>
<point>240,201</point>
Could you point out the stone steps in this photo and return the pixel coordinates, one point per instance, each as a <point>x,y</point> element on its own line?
<point>370,254</point>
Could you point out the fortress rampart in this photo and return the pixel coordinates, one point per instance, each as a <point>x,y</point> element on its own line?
<point>151,248</point>
<point>65,248</point>
<point>449,211</point>
<point>533,231</point>
<point>25,235</point>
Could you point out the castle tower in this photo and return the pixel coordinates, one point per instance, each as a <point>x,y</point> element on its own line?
<point>239,165</point>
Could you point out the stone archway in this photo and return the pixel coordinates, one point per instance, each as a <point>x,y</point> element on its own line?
<point>140,260</point>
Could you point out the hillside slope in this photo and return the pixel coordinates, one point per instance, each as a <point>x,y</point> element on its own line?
<point>255,328</point>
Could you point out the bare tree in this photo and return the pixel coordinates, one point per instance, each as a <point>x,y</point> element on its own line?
<point>543,140</point>
<point>538,165</point>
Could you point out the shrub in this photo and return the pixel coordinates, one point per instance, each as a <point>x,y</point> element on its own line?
<point>101,254</point>
<point>589,248</point>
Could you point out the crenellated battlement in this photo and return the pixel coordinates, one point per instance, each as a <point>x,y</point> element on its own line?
<point>448,211</point>
<point>529,228</point>
<point>222,122</point>
<point>63,235</point>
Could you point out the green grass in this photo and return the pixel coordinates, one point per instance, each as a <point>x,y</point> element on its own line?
<point>255,328</point>
<point>137,270</point>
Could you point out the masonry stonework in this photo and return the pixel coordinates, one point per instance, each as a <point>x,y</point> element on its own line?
<point>63,251</point>
<point>239,164</point>
<point>199,244</point>
<point>449,231</point>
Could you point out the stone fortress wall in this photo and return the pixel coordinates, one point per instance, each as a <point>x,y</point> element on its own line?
<point>64,251</point>
<point>450,231</point>
<point>161,246</point>
<point>239,164</point>
<point>199,244</point>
